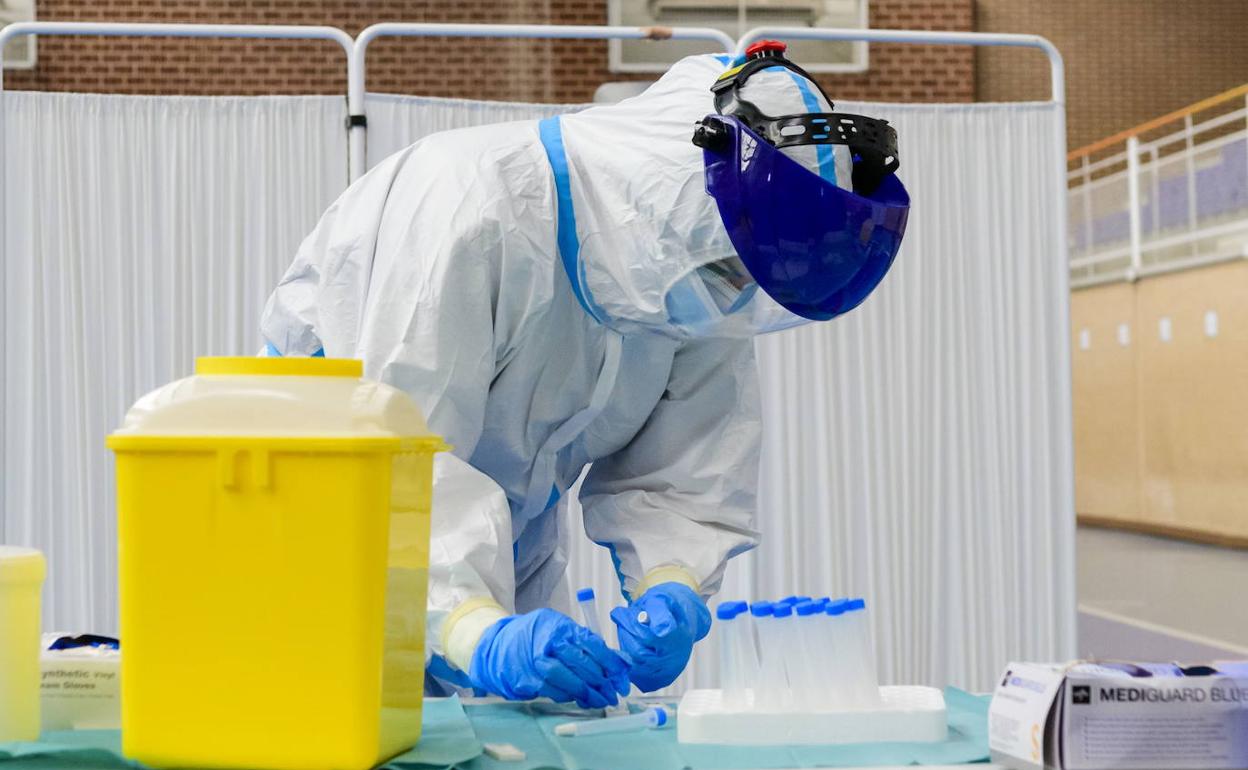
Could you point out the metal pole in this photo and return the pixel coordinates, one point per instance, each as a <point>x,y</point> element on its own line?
<point>356,65</point>
<point>1087,206</point>
<point>1057,70</point>
<point>1133,205</point>
<point>1189,149</point>
<point>1065,462</point>
<point>1154,176</point>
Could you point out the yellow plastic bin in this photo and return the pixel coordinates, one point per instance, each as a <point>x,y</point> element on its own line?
<point>273,518</point>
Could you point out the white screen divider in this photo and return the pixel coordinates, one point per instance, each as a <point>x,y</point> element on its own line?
<point>917,452</point>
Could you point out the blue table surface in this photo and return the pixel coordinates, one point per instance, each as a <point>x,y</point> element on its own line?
<point>453,733</point>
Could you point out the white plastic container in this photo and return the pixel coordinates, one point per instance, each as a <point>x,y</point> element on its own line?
<point>22,571</point>
<point>903,714</point>
<point>81,687</point>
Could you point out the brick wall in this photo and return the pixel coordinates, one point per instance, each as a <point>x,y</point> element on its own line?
<point>546,71</point>
<point>1127,61</point>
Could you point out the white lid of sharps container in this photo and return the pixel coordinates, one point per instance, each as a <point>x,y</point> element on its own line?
<point>21,565</point>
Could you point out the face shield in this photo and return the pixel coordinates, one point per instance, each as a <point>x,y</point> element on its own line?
<point>812,247</point>
<point>655,251</point>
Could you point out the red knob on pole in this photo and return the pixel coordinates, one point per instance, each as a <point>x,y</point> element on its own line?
<point>765,48</point>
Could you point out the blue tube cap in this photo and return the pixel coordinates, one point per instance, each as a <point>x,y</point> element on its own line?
<point>837,607</point>
<point>727,610</point>
<point>795,599</point>
<point>761,609</point>
<point>783,610</point>
<point>856,604</point>
<point>806,609</point>
<point>585,595</point>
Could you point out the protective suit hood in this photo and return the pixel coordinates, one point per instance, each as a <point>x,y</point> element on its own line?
<point>644,222</point>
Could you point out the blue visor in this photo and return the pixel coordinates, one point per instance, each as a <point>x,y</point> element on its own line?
<point>816,249</point>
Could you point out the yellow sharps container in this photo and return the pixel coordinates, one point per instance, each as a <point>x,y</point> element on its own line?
<point>274,536</point>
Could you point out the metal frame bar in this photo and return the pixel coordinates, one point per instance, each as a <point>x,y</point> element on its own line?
<point>357,64</point>
<point>137,29</point>
<point>1057,69</point>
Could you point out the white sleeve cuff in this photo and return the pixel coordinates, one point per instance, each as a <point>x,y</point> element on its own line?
<point>463,632</point>
<point>669,573</point>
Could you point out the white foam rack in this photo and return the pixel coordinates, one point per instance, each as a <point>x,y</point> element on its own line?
<point>905,714</point>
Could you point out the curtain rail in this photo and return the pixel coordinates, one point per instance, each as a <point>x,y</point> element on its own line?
<point>1057,69</point>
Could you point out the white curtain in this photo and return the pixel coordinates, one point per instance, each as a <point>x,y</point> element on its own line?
<point>916,452</point>
<point>140,233</point>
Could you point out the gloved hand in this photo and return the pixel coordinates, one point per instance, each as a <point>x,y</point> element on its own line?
<point>659,648</point>
<point>545,653</point>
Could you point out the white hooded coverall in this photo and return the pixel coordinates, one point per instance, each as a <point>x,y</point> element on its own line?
<point>442,269</point>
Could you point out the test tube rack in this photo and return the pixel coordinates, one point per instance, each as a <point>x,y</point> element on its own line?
<point>904,714</point>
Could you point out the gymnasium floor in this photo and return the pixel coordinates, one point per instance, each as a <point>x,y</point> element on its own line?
<point>1153,598</point>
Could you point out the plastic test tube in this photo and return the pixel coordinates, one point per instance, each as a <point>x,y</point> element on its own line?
<point>867,684</point>
<point>826,652</point>
<point>772,691</point>
<point>589,612</point>
<point>822,648</point>
<point>729,652</point>
<point>738,659</point>
<point>815,690</point>
<point>790,651</point>
<point>652,717</point>
<point>589,609</point>
<point>840,666</point>
<point>749,650</point>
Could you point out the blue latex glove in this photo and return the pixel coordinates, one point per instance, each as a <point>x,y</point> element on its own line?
<point>659,649</point>
<point>546,653</point>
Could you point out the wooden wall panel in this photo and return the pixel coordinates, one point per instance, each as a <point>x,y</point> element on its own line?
<point>1106,412</point>
<point>1161,426</point>
<point>1194,400</point>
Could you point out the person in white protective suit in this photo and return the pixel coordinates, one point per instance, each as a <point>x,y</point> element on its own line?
<point>583,291</point>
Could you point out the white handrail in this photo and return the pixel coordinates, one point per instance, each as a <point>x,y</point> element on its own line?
<point>356,66</point>
<point>1133,206</point>
<point>1057,70</point>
